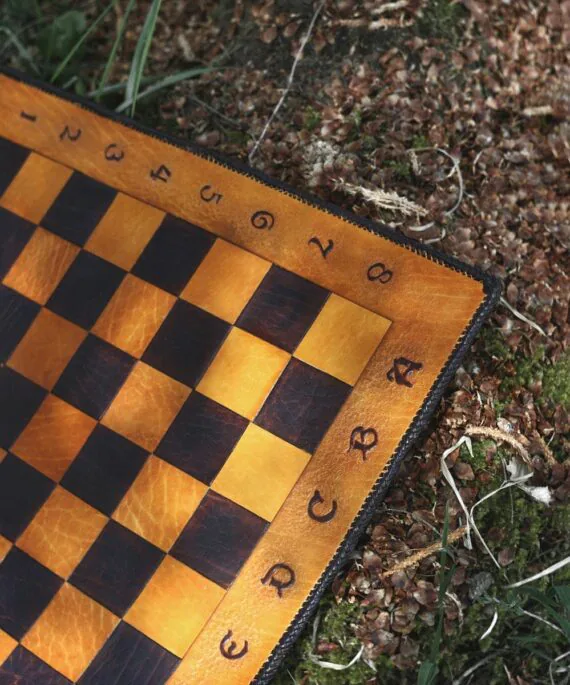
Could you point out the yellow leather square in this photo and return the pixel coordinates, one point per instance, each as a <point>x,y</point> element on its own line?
<point>243,373</point>
<point>7,645</point>
<point>225,280</point>
<point>260,472</point>
<point>160,502</point>
<point>342,339</point>
<point>54,436</point>
<point>5,546</point>
<point>37,184</point>
<point>174,606</point>
<point>124,231</point>
<point>46,348</point>
<point>41,265</point>
<point>70,632</point>
<point>145,406</point>
<point>134,314</point>
<point>61,532</point>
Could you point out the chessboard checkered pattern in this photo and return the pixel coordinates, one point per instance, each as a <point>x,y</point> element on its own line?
<point>161,391</point>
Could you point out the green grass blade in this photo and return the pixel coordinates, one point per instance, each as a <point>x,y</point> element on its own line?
<point>80,42</point>
<point>24,54</point>
<point>171,80</point>
<point>119,87</point>
<point>141,54</point>
<point>114,50</point>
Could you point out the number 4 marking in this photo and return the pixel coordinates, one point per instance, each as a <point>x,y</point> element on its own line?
<point>163,173</point>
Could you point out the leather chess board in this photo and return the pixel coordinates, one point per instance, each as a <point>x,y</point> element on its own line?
<point>207,383</point>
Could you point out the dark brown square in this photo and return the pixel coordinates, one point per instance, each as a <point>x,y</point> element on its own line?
<point>283,308</point>
<point>14,234</point>
<point>302,405</point>
<point>19,401</point>
<point>130,658</point>
<point>78,208</point>
<point>202,437</point>
<point>26,588</point>
<point>16,316</point>
<point>86,289</point>
<point>104,469</point>
<point>94,376</point>
<point>24,668</point>
<point>23,490</point>
<point>173,254</point>
<point>116,568</point>
<point>13,157</point>
<point>219,538</point>
<point>186,343</point>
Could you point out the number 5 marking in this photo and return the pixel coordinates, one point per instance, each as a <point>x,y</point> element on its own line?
<point>209,195</point>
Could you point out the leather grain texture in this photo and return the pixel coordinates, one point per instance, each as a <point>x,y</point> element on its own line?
<point>209,382</point>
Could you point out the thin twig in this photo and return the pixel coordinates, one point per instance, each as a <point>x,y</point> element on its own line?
<point>383,199</point>
<point>390,7</point>
<point>491,627</point>
<point>213,110</point>
<point>498,434</point>
<point>546,572</point>
<point>424,553</point>
<point>456,170</point>
<point>542,620</point>
<point>522,317</point>
<point>473,668</point>
<point>298,57</point>
<point>560,670</point>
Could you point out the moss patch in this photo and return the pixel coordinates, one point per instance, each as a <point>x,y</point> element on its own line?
<point>556,382</point>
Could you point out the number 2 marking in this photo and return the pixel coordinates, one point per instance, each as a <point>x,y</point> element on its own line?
<point>324,250</point>
<point>70,135</point>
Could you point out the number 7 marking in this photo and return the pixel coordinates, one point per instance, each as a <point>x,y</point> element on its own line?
<point>324,250</point>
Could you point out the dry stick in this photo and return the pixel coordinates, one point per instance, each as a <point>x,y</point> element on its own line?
<point>456,170</point>
<point>546,572</point>
<point>522,317</point>
<point>423,553</point>
<point>383,199</point>
<point>377,24</point>
<point>298,57</point>
<point>497,434</point>
<point>473,668</point>
<point>548,453</point>
<point>390,7</point>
